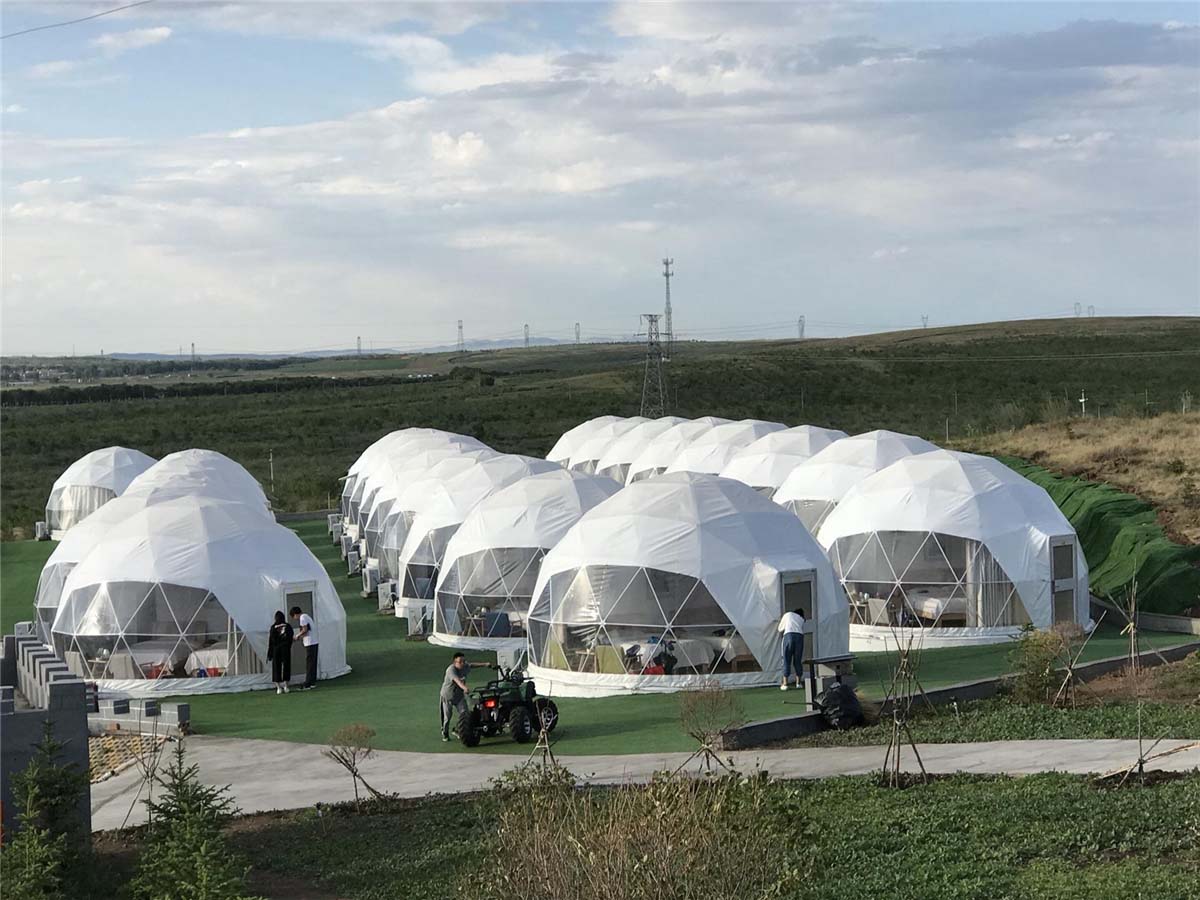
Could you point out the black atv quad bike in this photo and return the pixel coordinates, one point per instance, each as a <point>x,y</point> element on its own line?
<point>511,703</point>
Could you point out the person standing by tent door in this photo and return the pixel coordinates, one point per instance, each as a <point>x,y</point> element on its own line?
<point>279,652</point>
<point>791,626</point>
<point>306,631</point>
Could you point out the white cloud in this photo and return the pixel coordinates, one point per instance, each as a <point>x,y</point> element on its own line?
<point>117,42</point>
<point>14,109</point>
<point>889,253</point>
<point>52,69</point>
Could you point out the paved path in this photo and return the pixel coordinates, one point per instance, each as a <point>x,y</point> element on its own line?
<point>267,775</point>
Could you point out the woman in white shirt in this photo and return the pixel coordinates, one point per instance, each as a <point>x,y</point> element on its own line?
<point>791,626</point>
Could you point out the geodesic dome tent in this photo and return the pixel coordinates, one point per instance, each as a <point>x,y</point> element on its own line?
<point>570,439</point>
<point>815,486</point>
<point>676,581</point>
<point>664,449</point>
<point>409,499</point>
<point>439,512</point>
<point>765,463</point>
<point>587,454</point>
<point>186,473</point>
<point>178,599</point>
<point>711,452</point>
<point>89,483</point>
<point>953,549</point>
<point>491,564</point>
<point>621,452</point>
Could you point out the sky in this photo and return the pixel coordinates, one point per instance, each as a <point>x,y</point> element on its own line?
<point>289,176</point>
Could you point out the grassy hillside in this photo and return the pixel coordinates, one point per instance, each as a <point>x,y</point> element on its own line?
<point>958,381</point>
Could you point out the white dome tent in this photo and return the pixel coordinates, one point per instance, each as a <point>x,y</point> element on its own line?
<point>438,514</point>
<point>814,487</point>
<point>664,449</point>
<point>182,474</point>
<point>409,499</point>
<point>597,441</point>
<point>710,452</point>
<point>674,582</point>
<point>178,599</point>
<point>953,549</point>
<point>89,483</point>
<point>570,440</point>
<point>490,566</point>
<point>621,453</point>
<point>765,463</point>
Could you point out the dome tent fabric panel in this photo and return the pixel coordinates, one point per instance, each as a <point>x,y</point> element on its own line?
<point>177,475</point>
<point>973,498</point>
<point>621,452</point>
<point>359,473</point>
<point>592,447</point>
<point>570,440</point>
<point>495,555</point>
<point>766,463</point>
<point>200,555</point>
<point>438,513</point>
<point>711,451</point>
<point>710,538</point>
<point>89,483</point>
<point>814,487</point>
<point>664,449</point>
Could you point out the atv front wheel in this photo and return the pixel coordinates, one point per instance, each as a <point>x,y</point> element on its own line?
<point>521,725</point>
<point>547,713</point>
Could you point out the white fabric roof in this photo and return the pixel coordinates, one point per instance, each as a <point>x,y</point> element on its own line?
<point>599,439</point>
<point>110,467</point>
<point>365,475</point>
<point>533,512</point>
<point>726,534</point>
<point>223,547</point>
<point>711,452</point>
<point>766,462</point>
<point>448,502</point>
<point>572,438</point>
<point>623,450</point>
<point>972,497</point>
<point>662,450</point>
<point>384,478</point>
<point>201,472</point>
<point>845,462</point>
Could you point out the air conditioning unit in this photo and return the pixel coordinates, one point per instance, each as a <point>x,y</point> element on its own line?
<point>337,534</point>
<point>41,531</point>
<point>333,520</point>
<point>23,629</point>
<point>370,578</point>
<point>353,562</point>
<point>347,543</point>
<point>387,595</point>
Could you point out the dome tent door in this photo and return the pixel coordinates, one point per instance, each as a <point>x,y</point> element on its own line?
<point>299,594</point>
<point>1062,574</point>
<point>798,590</point>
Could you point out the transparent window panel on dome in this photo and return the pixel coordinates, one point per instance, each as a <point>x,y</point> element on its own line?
<point>811,512</point>
<point>617,473</point>
<point>647,473</point>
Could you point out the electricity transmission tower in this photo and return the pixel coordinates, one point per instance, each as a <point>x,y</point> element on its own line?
<point>358,349</point>
<point>576,332</point>
<point>924,321</point>
<point>461,346</point>
<point>526,335</point>
<point>667,275</point>
<point>654,383</point>
<point>800,327</point>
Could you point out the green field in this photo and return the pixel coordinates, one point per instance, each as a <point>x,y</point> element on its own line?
<point>395,682</point>
<point>317,416</point>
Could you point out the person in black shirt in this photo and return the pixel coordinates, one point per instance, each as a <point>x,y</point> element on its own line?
<point>279,652</point>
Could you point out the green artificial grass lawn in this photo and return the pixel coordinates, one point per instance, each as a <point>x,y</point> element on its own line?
<point>394,684</point>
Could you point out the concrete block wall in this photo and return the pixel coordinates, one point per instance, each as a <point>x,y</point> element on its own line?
<point>35,688</point>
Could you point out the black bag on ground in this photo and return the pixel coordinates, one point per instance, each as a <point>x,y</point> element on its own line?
<point>839,707</point>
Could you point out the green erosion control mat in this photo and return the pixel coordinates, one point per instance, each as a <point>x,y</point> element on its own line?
<point>1122,541</point>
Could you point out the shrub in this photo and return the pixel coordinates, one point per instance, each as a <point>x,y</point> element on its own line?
<point>186,856</point>
<point>674,837</point>
<point>1033,661</point>
<point>33,860</point>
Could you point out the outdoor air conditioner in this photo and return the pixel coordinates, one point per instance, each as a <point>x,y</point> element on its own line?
<point>41,531</point>
<point>387,595</point>
<point>347,543</point>
<point>333,521</point>
<point>353,562</point>
<point>370,578</point>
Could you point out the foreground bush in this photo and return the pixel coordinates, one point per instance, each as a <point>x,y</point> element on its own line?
<point>676,837</point>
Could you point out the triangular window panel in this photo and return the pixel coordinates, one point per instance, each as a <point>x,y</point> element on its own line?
<point>637,605</point>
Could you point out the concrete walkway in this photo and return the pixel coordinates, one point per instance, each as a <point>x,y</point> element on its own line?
<point>267,775</point>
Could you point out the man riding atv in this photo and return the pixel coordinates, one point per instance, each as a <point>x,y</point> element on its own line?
<point>508,703</point>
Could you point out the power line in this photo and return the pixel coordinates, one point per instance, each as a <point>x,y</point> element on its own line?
<point>107,12</point>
